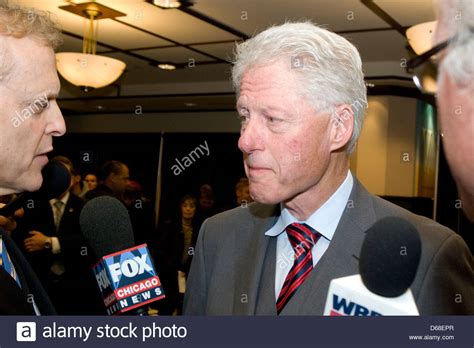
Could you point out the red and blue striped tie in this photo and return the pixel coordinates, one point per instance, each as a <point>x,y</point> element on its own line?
<point>302,238</point>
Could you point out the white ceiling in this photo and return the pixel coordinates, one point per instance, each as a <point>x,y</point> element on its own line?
<point>181,37</point>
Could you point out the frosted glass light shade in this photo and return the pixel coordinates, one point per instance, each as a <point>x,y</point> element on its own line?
<point>420,36</point>
<point>89,70</point>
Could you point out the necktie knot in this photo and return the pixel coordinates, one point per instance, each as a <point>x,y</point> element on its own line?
<point>301,236</point>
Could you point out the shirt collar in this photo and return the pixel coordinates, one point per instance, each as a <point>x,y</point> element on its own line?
<point>64,199</point>
<point>325,219</point>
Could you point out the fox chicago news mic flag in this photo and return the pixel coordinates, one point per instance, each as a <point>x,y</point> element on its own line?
<point>127,280</point>
<point>124,272</point>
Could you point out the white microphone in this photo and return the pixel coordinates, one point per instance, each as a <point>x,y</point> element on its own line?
<point>388,262</point>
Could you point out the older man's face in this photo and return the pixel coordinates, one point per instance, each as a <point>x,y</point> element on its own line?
<point>456,119</point>
<point>29,114</point>
<point>285,143</point>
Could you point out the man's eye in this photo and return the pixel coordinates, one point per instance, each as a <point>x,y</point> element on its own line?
<point>272,119</point>
<point>243,118</point>
<point>38,106</point>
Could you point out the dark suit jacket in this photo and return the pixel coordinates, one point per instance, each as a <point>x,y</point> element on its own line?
<point>233,270</point>
<point>40,217</point>
<point>75,292</point>
<point>15,300</point>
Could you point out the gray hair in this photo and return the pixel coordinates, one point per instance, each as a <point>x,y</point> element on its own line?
<point>328,66</point>
<point>18,22</point>
<point>456,17</point>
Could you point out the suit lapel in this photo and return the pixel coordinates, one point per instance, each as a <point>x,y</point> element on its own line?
<point>266,302</point>
<point>340,259</point>
<point>250,267</point>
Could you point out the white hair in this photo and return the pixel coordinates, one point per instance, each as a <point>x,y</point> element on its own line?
<point>17,21</point>
<point>329,66</point>
<point>456,18</point>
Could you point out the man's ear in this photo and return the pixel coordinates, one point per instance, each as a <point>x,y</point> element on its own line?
<point>342,125</point>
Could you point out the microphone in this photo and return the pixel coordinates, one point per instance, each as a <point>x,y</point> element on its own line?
<point>56,180</point>
<point>388,263</point>
<point>124,273</point>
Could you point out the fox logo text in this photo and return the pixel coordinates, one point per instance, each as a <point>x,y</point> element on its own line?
<point>130,267</point>
<point>102,279</point>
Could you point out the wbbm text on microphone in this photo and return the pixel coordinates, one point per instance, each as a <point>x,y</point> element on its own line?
<point>29,332</point>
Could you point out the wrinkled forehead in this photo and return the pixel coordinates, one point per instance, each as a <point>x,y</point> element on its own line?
<point>28,59</point>
<point>6,61</point>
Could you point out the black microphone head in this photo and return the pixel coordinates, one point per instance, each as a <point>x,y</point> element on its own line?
<point>56,180</point>
<point>106,225</point>
<point>390,256</point>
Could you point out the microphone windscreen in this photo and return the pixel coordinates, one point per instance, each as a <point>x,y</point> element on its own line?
<point>106,225</point>
<point>390,256</point>
<point>56,180</point>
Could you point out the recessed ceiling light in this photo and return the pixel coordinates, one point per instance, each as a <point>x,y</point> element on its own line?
<point>369,84</point>
<point>190,104</point>
<point>166,3</point>
<point>166,66</point>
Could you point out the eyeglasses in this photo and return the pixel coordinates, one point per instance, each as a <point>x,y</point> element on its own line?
<point>425,70</point>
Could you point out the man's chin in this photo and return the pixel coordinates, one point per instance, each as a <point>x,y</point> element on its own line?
<point>32,185</point>
<point>467,201</point>
<point>468,206</point>
<point>264,199</point>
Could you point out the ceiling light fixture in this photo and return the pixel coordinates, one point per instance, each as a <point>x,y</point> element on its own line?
<point>166,3</point>
<point>87,69</point>
<point>166,66</point>
<point>169,4</point>
<point>420,36</point>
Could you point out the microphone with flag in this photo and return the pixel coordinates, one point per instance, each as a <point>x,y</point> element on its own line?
<point>388,263</point>
<point>124,273</point>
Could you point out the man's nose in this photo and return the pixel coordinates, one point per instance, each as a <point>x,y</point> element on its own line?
<point>250,137</point>
<point>56,125</point>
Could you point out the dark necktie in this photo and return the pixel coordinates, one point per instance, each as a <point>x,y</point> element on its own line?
<point>57,206</point>
<point>302,238</point>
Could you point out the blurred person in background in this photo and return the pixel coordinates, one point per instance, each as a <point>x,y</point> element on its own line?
<point>242,192</point>
<point>174,250</point>
<point>51,237</point>
<point>91,180</point>
<point>141,212</point>
<point>113,179</point>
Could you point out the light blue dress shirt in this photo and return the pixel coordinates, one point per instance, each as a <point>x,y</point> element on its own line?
<point>324,220</point>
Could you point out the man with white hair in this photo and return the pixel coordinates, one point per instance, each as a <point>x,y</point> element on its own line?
<point>29,119</point>
<point>455,93</point>
<point>301,99</point>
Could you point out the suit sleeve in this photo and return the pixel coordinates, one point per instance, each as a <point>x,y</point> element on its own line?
<point>195,298</point>
<point>448,285</point>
